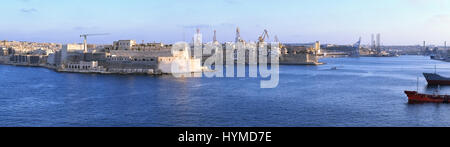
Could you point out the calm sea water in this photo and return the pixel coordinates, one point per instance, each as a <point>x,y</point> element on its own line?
<point>361,92</point>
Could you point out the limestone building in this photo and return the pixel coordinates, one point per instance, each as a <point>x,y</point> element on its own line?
<point>123,44</point>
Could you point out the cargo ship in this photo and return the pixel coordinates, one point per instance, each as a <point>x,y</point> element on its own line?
<point>415,97</point>
<point>436,79</point>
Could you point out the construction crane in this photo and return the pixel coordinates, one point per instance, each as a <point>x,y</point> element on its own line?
<point>263,37</point>
<point>85,39</point>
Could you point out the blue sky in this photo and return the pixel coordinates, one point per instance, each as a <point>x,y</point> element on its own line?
<point>329,21</point>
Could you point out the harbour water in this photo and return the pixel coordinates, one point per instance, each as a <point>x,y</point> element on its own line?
<point>359,92</point>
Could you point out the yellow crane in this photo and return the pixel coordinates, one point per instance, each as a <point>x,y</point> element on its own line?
<point>278,41</point>
<point>263,37</point>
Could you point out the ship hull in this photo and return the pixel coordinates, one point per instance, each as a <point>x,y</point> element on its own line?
<point>438,82</point>
<point>415,97</point>
<point>435,79</point>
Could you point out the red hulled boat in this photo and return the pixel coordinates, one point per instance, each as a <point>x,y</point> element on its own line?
<point>415,97</point>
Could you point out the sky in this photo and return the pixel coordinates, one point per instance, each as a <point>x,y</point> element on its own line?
<point>400,22</point>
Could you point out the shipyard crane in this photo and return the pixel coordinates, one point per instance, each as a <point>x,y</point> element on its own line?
<point>276,38</point>
<point>357,44</point>
<point>263,37</point>
<point>356,48</point>
<point>280,46</point>
<point>85,39</point>
<point>278,41</point>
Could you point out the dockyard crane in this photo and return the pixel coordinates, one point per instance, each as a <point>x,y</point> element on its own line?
<point>276,38</point>
<point>263,37</point>
<point>85,39</point>
<point>357,44</point>
<point>278,41</point>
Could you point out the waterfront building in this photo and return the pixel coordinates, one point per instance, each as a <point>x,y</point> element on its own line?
<point>131,59</point>
<point>4,59</point>
<point>71,53</point>
<point>301,54</point>
<point>11,51</point>
<point>51,59</point>
<point>317,47</point>
<point>180,61</point>
<point>151,46</point>
<point>26,47</point>
<point>299,59</point>
<point>154,58</point>
<point>67,49</point>
<point>123,44</point>
<point>28,59</point>
<point>82,65</point>
<point>73,47</point>
<point>3,52</point>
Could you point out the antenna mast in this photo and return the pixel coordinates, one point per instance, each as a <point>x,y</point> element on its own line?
<point>417,84</point>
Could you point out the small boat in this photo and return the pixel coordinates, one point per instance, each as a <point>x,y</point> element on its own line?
<point>433,57</point>
<point>416,97</point>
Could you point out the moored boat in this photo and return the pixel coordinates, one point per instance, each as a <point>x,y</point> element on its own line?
<point>436,79</point>
<point>416,97</point>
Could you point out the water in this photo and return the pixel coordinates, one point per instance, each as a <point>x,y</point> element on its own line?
<point>361,92</point>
